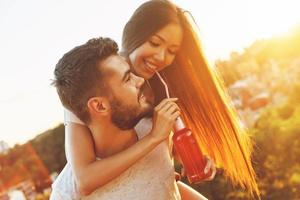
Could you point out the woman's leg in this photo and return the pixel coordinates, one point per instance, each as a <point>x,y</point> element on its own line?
<point>188,193</point>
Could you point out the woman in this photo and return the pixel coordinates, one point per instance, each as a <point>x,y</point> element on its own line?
<point>167,41</point>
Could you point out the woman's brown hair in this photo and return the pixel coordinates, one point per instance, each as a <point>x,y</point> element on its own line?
<point>206,108</point>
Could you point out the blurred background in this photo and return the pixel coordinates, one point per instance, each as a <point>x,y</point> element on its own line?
<point>255,45</point>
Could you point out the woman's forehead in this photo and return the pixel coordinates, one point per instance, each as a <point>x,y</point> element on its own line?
<point>171,34</point>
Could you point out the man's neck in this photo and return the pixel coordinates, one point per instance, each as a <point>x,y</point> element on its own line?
<point>109,139</point>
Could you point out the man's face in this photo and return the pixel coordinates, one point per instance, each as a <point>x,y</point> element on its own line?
<point>126,93</point>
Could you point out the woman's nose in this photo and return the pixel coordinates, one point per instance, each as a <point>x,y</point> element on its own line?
<point>160,56</point>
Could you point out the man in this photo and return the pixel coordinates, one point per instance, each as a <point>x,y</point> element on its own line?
<point>96,84</point>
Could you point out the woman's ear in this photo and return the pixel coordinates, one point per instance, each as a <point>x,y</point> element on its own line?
<point>98,105</point>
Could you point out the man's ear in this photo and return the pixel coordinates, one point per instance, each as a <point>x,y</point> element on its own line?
<point>98,105</point>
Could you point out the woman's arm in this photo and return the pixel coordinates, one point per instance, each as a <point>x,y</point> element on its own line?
<point>90,173</point>
<point>188,193</point>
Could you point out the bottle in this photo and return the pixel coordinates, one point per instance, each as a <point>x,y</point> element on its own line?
<point>189,152</point>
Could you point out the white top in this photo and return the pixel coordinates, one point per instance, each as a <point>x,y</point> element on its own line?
<point>152,177</point>
<point>70,117</point>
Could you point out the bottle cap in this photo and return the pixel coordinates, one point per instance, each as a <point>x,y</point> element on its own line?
<point>178,124</point>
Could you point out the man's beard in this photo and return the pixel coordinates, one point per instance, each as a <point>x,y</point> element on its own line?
<point>126,117</point>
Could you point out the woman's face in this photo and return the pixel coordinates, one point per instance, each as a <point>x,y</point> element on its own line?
<point>157,52</point>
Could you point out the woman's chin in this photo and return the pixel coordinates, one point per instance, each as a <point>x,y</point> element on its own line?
<point>149,76</point>
<point>145,75</point>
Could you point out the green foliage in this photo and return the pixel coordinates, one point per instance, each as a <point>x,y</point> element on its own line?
<point>276,158</point>
<point>278,151</point>
<point>50,147</point>
<point>256,58</point>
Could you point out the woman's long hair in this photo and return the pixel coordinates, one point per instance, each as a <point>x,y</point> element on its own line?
<point>206,108</point>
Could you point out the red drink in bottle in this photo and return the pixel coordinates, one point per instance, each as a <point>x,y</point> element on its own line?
<point>188,150</point>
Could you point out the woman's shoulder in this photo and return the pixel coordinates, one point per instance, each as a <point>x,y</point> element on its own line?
<point>69,116</point>
<point>143,127</point>
<point>65,183</point>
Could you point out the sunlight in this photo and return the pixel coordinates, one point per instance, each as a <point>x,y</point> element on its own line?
<point>274,17</point>
<point>232,25</point>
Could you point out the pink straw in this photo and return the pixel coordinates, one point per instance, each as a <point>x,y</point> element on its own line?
<point>179,123</point>
<point>165,84</point>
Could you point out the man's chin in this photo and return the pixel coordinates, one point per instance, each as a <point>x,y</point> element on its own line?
<point>149,114</point>
<point>127,126</point>
<point>146,104</point>
<point>147,110</point>
<point>150,111</point>
<point>131,121</point>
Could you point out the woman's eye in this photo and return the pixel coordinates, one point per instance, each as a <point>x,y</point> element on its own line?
<point>172,52</point>
<point>154,44</point>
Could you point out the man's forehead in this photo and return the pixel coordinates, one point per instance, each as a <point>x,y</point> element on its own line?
<point>115,65</point>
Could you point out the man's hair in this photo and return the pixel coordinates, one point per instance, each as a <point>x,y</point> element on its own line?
<point>78,76</point>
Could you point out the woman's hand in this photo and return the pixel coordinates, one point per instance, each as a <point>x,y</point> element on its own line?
<point>164,118</point>
<point>210,168</point>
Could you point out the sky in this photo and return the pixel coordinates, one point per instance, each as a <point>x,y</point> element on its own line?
<point>34,34</point>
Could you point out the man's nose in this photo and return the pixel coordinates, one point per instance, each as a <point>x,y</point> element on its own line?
<point>139,81</point>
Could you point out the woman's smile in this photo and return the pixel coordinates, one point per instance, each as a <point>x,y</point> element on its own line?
<point>150,67</point>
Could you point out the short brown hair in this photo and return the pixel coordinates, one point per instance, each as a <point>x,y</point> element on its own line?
<point>78,76</point>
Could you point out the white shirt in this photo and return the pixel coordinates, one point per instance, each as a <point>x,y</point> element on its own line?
<point>151,178</point>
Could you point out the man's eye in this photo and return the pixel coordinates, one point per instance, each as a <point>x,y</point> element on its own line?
<point>128,78</point>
